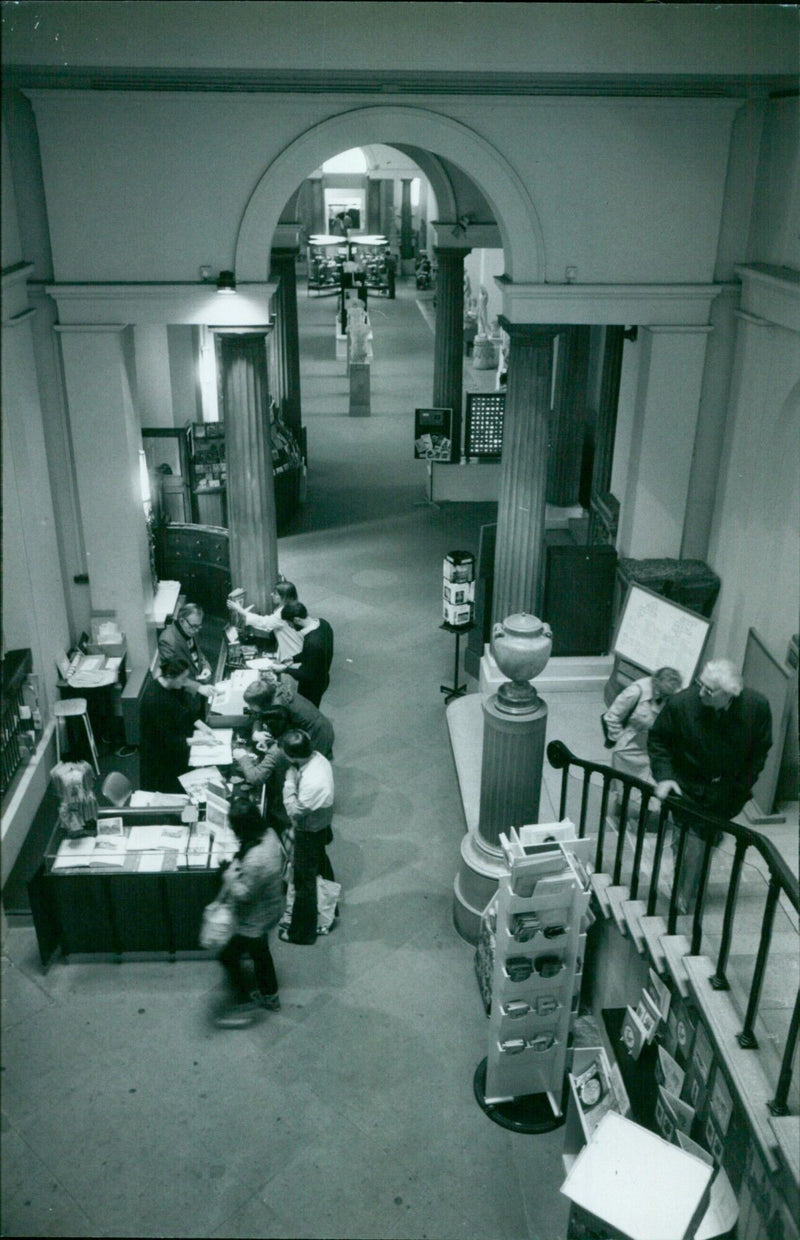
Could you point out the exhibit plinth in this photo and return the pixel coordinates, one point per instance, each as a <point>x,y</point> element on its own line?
<point>359,390</point>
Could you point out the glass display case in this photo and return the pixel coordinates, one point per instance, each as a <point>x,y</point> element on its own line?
<point>139,883</point>
<point>326,257</point>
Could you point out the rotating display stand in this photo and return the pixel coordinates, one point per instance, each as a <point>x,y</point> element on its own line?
<point>539,948</point>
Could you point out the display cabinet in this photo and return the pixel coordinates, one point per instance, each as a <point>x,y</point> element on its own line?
<point>208,473</point>
<point>168,453</point>
<point>326,256</point>
<point>372,253</point>
<point>152,902</point>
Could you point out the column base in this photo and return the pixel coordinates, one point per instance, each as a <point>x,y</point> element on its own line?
<point>480,869</point>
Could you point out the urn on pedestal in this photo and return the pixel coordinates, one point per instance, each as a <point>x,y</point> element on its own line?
<point>521,645</point>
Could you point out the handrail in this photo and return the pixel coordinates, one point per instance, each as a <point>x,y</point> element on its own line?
<point>707,829</point>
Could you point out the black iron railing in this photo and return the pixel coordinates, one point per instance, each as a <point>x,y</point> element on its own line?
<point>705,833</point>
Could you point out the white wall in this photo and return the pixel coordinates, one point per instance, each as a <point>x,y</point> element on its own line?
<point>626,190</point>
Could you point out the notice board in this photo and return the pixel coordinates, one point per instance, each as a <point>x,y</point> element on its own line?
<point>654,632</point>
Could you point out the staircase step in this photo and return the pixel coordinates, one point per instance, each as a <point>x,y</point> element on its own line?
<point>654,930</point>
<point>744,1066</point>
<point>617,896</point>
<point>633,911</point>
<point>676,946</point>
<point>599,884</point>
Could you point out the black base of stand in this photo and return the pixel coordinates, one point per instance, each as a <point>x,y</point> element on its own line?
<point>455,690</point>
<point>531,1114</point>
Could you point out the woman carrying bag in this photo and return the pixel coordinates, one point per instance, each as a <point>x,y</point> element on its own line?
<point>252,887</point>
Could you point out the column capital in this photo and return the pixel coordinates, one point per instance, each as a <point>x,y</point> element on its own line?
<point>530,333</point>
<point>257,331</point>
<point>451,251</point>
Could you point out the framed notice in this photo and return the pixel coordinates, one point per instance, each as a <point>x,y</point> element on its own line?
<point>654,632</point>
<point>433,435</point>
<point>483,427</point>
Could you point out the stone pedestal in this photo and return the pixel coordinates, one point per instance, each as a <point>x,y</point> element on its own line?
<point>359,390</point>
<point>511,781</point>
<point>484,353</point>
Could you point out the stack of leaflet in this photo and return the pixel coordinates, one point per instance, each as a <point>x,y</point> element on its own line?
<point>158,847</point>
<point>229,696</point>
<point>212,750</point>
<point>196,781</point>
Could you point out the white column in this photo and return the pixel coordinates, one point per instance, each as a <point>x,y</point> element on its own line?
<point>153,396</point>
<point>653,508</point>
<point>106,442</point>
<point>34,612</point>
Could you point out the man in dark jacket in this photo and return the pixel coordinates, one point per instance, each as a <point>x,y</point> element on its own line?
<point>710,742</point>
<point>311,669</point>
<point>708,747</point>
<point>179,641</point>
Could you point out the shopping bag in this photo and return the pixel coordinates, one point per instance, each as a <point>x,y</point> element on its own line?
<point>218,925</point>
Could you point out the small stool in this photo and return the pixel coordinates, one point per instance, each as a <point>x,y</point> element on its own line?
<point>74,708</point>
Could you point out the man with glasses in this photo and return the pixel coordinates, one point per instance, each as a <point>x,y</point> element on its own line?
<point>708,747</point>
<point>179,641</point>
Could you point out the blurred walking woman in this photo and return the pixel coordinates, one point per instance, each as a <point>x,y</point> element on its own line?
<point>252,884</point>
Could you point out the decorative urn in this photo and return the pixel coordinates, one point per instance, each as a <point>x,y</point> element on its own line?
<point>521,646</point>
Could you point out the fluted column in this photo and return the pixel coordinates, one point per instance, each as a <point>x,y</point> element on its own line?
<point>251,492</point>
<point>406,232</point>
<point>320,222</point>
<point>387,209</point>
<point>374,205</point>
<point>519,558</point>
<point>568,420</point>
<point>288,339</point>
<point>607,410</point>
<point>448,351</point>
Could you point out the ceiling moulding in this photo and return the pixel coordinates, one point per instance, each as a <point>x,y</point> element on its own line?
<point>664,305</point>
<point>312,81</point>
<point>772,294</point>
<point>88,305</point>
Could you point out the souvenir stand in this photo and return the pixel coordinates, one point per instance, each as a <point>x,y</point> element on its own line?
<point>541,909</point>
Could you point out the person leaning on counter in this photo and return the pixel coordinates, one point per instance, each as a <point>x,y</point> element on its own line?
<point>289,641</point>
<point>311,668</point>
<point>168,719</point>
<point>179,641</point>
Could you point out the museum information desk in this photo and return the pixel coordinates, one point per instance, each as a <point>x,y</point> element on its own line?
<point>132,900</point>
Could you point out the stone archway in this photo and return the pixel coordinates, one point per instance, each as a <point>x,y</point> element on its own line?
<point>514,211</point>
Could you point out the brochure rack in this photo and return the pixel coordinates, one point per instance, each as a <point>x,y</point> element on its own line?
<point>540,943</point>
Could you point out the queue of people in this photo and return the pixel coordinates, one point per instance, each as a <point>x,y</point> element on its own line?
<point>282,809</point>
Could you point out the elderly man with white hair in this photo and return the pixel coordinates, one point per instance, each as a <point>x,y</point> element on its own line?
<point>710,742</point>
<point>708,747</point>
